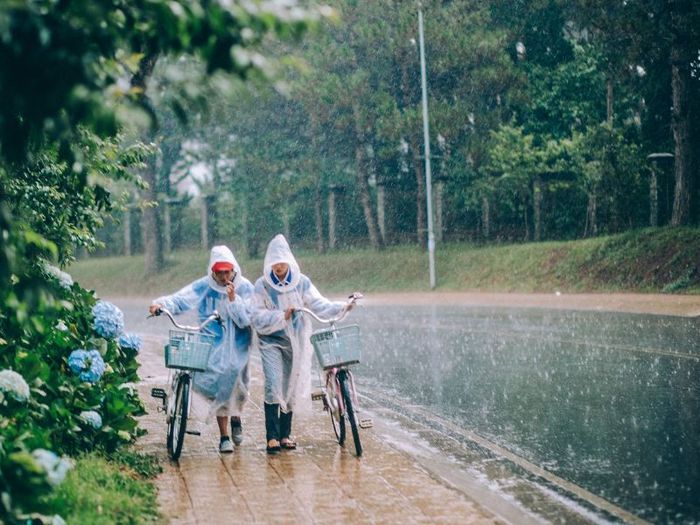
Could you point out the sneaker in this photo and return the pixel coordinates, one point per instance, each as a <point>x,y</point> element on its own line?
<point>225,445</point>
<point>236,432</point>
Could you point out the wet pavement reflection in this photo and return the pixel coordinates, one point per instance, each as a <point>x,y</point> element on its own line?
<point>320,482</point>
<point>606,401</point>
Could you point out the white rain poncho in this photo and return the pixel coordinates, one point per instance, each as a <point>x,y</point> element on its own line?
<point>225,381</point>
<point>288,386</point>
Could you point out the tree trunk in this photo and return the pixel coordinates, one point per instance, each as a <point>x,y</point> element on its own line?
<point>331,219</point>
<point>485,217</point>
<point>680,124</point>
<point>439,204</point>
<point>381,215</point>
<point>167,227</point>
<point>318,219</point>
<point>591,229</point>
<point>365,198</point>
<point>316,170</point>
<point>154,260</point>
<point>170,152</point>
<point>362,184</point>
<point>127,231</point>
<point>151,219</point>
<point>421,228</point>
<point>537,207</point>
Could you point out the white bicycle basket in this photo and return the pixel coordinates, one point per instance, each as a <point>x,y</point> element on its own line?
<point>187,350</point>
<point>337,346</point>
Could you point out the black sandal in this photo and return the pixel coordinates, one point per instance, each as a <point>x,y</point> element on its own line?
<point>288,444</point>
<point>273,449</point>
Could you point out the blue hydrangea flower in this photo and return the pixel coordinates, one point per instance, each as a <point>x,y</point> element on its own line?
<point>56,468</point>
<point>13,384</point>
<point>88,364</point>
<point>109,320</point>
<point>92,418</point>
<point>132,341</point>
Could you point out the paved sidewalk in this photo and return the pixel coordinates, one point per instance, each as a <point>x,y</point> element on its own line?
<point>320,482</point>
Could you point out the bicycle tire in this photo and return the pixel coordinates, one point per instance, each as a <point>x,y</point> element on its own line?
<point>178,421</point>
<point>350,411</point>
<point>337,416</point>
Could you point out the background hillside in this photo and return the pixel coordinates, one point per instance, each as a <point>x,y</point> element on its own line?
<point>653,260</point>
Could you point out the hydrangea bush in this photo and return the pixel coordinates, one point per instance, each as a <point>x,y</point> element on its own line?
<point>108,320</point>
<point>13,386</point>
<point>92,418</point>
<point>66,375</point>
<point>64,279</point>
<point>130,342</point>
<point>87,364</point>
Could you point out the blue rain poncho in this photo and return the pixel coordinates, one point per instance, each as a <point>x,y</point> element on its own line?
<point>285,347</point>
<point>226,379</point>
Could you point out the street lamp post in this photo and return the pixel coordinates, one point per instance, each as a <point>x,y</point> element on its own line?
<point>426,142</point>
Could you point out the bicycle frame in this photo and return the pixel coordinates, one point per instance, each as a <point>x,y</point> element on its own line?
<point>332,378</point>
<point>339,395</point>
<point>177,402</point>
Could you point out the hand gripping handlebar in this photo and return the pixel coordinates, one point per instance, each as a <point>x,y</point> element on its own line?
<point>352,299</point>
<point>213,317</point>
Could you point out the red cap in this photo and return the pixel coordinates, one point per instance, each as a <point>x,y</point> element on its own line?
<point>221,266</point>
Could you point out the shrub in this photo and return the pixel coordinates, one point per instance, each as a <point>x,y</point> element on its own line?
<point>65,371</point>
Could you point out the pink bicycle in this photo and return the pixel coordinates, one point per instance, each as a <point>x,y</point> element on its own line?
<point>337,348</point>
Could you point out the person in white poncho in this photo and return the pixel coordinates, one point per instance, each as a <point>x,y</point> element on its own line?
<point>284,342</point>
<point>225,381</point>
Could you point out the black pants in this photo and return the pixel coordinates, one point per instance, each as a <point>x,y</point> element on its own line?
<point>278,425</point>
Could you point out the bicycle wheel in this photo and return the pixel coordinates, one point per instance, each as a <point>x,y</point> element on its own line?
<point>337,417</point>
<point>178,419</point>
<point>350,410</point>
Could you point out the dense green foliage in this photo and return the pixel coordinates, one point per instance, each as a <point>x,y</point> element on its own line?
<point>68,64</point>
<point>542,117</point>
<point>650,260</point>
<point>71,406</point>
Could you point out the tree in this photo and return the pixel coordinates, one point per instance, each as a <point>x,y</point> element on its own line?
<point>63,65</point>
<point>661,38</point>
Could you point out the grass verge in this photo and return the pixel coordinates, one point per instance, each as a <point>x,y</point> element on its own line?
<point>650,260</point>
<point>102,491</point>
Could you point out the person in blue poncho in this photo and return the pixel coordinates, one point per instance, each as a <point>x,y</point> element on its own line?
<point>284,342</point>
<point>225,382</point>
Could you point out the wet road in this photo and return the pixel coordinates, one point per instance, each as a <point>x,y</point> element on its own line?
<point>571,417</point>
<point>606,401</point>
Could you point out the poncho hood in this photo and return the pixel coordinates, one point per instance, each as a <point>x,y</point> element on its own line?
<point>278,251</point>
<point>223,254</point>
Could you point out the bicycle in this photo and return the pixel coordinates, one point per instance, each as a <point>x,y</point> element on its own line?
<point>337,348</point>
<point>186,353</point>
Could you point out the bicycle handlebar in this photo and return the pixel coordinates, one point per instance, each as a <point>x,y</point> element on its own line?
<point>352,299</point>
<point>213,317</point>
